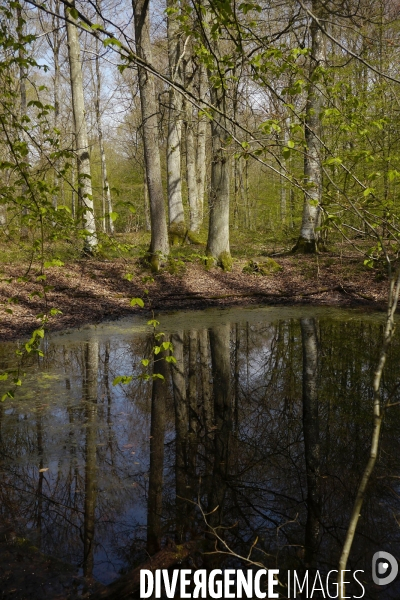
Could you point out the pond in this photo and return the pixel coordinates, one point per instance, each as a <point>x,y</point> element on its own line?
<point>259,428</point>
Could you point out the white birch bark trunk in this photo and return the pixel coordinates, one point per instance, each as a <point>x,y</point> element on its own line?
<point>174,187</point>
<point>309,237</point>
<point>159,245</point>
<point>82,145</point>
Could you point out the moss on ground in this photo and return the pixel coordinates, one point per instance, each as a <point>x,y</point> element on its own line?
<point>269,266</point>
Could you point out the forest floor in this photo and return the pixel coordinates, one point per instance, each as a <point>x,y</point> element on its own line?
<point>92,290</point>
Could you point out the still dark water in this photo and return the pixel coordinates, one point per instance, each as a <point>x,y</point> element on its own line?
<point>266,417</point>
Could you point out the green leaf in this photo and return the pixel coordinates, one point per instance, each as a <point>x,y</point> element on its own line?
<point>167,346</point>
<point>153,322</point>
<point>3,376</point>
<point>290,144</point>
<point>128,276</point>
<point>145,362</point>
<point>73,12</point>
<point>137,301</point>
<point>158,376</point>
<point>334,160</point>
<point>170,359</point>
<point>112,42</point>
<point>157,349</point>
<point>53,263</point>
<point>368,192</point>
<point>113,216</point>
<point>124,379</point>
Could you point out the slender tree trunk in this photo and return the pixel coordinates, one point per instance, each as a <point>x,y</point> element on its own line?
<point>181,432</point>
<point>73,172</point>
<point>82,144</point>
<point>283,182</point>
<point>90,396</point>
<point>201,145</point>
<point>175,204</point>
<point>309,236</point>
<point>146,202</point>
<point>3,215</point>
<point>157,430</point>
<point>108,224</point>
<point>23,106</point>
<point>205,379</point>
<point>378,415</point>
<point>193,413</point>
<point>159,245</point>
<point>56,43</point>
<point>311,436</point>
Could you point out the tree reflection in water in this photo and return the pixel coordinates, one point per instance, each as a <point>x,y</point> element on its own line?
<point>265,423</point>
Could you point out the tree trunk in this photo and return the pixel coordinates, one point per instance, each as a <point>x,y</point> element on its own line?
<point>3,215</point>
<point>309,237</point>
<point>311,436</point>
<point>159,245</point>
<point>146,202</point>
<point>181,439</point>
<point>193,197</point>
<point>82,145</point>
<point>205,380</point>
<point>23,108</point>
<point>175,204</point>
<point>56,43</point>
<point>218,231</point>
<point>221,370</point>
<point>157,429</point>
<point>201,146</point>
<point>108,224</point>
<point>90,396</point>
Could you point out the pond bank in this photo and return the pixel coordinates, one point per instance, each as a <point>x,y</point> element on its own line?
<point>89,291</point>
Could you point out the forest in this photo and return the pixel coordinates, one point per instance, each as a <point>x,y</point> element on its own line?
<point>197,123</point>
<point>198,154</point>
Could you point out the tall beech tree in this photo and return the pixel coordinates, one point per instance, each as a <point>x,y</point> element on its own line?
<point>218,248</point>
<point>174,185</point>
<point>309,233</point>
<point>108,223</point>
<point>159,245</point>
<point>81,137</point>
